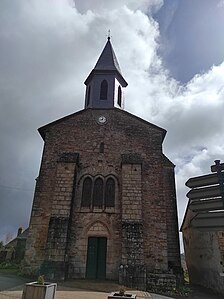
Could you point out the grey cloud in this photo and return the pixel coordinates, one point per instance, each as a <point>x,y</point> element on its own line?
<point>47,49</point>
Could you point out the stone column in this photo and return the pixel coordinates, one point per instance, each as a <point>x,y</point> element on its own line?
<point>132,270</point>
<point>55,263</point>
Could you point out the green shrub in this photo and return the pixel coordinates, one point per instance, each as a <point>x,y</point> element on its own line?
<point>9,265</point>
<point>40,280</point>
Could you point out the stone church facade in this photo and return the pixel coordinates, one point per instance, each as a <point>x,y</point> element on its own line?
<point>104,205</point>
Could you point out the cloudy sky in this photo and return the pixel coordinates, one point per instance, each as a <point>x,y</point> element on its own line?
<point>171,53</point>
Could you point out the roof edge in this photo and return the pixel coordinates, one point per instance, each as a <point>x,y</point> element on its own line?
<point>42,129</point>
<point>103,72</point>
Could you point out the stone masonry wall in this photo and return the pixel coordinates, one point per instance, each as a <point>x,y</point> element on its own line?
<point>131,192</point>
<point>132,272</point>
<point>87,225</point>
<point>158,282</point>
<point>220,236</point>
<point>39,220</point>
<point>56,246</point>
<point>174,264</point>
<point>60,213</point>
<point>154,209</point>
<point>204,258</point>
<point>122,134</point>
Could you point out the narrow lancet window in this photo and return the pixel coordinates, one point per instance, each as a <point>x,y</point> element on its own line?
<point>88,96</point>
<point>110,193</point>
<point>86,193</point>
<point>98,193</point>
<point>101,147</point>
<point>119,95</point>
<point>103,90</point>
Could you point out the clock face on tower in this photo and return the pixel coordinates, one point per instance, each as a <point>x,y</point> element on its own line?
<point>101,119</point>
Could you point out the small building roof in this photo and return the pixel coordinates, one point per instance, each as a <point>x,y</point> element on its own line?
<point>22,236</point>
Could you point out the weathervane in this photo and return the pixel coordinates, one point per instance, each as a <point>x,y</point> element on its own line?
<point>108,36</point>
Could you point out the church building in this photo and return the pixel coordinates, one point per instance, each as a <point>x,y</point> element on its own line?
<point>105,204</point>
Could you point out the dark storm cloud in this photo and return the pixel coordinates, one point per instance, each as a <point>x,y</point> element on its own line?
<point>48,48</point>
<point>36,65</point>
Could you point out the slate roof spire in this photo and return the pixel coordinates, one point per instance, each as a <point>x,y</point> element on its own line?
<point>105,82</point>
<point>108,59</point>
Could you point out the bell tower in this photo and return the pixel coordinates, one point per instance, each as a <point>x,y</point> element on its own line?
<point>105,83</point>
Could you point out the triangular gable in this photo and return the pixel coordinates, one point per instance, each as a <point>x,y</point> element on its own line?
<point>42,130</point>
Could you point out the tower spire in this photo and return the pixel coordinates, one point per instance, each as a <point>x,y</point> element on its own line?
<point>105,82</point>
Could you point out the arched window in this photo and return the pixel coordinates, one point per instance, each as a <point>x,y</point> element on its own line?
<point>110,193</point>
<point>88,95</point>
<point>103,90</point>
<point>101,147</point>
<point>119,95</point>
<point>86,193</point>
<point>98,193</point>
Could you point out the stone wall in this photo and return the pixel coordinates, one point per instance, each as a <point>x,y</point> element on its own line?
<point>160,282</point>
<point>131,192</point>
<point>132,270</point>
<point>145,199</point>
<point>205,258</point>
<point>174,261</point>
<point>87,225</point>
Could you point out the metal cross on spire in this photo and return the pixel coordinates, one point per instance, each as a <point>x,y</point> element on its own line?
<point>108,36</point>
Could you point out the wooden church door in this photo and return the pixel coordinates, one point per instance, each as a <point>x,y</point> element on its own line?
<point>96,258</point>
